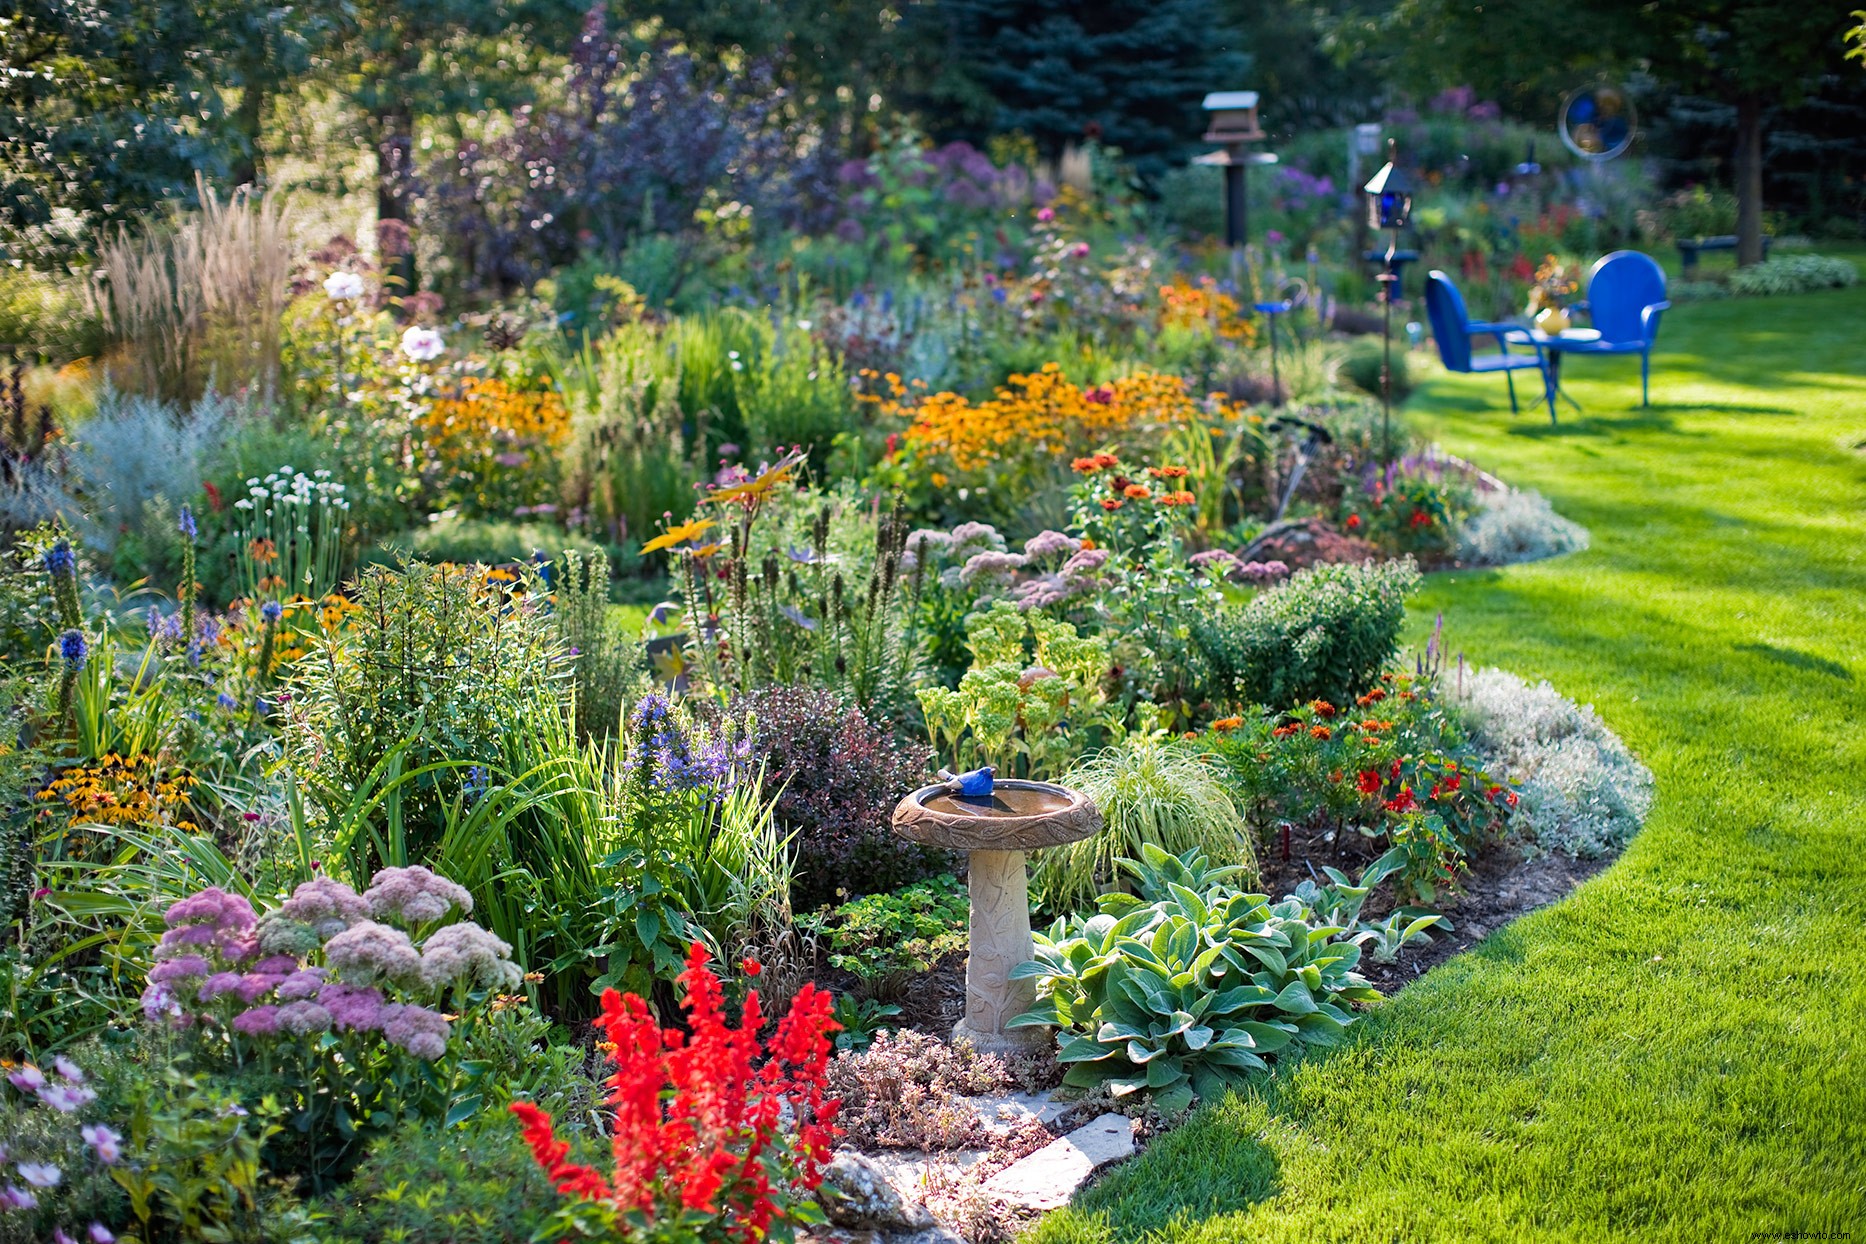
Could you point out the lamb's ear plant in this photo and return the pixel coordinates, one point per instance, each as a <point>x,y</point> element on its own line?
<point>1181,992</point>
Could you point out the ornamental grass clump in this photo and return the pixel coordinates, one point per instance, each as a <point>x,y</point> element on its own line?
<point>349,1044</point>
<point>703,1150</point>
<point>1152,793</point>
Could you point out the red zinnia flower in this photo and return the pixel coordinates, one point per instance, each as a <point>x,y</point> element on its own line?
<point>1111,504</point>
<point>1354,522</point>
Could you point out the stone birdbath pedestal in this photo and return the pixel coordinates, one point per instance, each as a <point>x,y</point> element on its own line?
<point>995,822</point>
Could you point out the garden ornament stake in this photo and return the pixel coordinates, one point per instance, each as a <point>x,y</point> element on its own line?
<point>1316,437</point>
<point>1389,206</point>
<point>995,822</point>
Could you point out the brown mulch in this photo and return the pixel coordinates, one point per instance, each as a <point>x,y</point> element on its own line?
<point>1500,886</point>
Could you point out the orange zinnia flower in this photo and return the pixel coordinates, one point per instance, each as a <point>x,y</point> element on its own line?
<point>1111,504</point>
<point>1227,723</point>
<point>1137,492</point>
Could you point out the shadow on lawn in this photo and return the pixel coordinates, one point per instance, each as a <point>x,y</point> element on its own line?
<point>1799,660</point>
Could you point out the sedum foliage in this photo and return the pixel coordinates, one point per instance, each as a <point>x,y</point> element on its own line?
<point>1182,989</point>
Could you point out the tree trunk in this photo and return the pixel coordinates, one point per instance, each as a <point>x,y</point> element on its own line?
<point>248,119</point>
<point>1749,180</point>
<point>395,152</point>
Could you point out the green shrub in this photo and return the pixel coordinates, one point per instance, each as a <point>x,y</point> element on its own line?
<point>1793,274</point>
<point>1360,367</point>
<point>886,938</point>
<point>1324,635</point>
<point>1151,793</point>
<point>45,316</point>
<point>1182,990</point>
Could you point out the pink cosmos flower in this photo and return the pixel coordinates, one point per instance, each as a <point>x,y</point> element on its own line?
<point>106,1143</point>
<point>66,1098</point>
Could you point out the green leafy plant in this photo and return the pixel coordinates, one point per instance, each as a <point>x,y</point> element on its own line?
<point>1181,990</point>
<point>1324,635</point>
<point>1152,792</point>
<point>1032,700</point>
<point>883,939</point>
<point>861,1020</point>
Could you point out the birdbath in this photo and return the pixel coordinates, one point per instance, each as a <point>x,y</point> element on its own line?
<point>995,829</point>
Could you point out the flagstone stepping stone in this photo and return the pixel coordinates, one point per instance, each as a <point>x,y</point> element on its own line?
<point>1049,1177</point>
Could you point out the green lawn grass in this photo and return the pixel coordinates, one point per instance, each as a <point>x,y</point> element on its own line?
<point>1675,1051</point>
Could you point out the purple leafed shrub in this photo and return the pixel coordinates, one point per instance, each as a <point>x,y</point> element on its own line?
<point>841,777</point>
<point>639,141</point>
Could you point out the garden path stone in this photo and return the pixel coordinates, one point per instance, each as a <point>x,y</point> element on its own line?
<point>1049,1177</point>
<point>857,1192</point>
<point>1005,1113</point>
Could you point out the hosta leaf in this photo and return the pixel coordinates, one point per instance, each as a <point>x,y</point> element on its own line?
<point>1164,1073</point>
<point>1079,1049</point>
<point>1173,1101</point>
<point>1119,1032</point>
<point>1239,997</point>
<point>1269,1037</point>
<point>1295,999</point>
<point>1269,956</point>
<point>1085,1075</point>
<point>1140,1055</point>
<point>1194,905</point>
<point>1230,1056</point>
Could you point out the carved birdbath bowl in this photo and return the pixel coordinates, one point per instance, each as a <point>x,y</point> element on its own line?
<point>995,830</point>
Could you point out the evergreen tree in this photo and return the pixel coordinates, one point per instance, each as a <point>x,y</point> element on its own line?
<point>1126,73</point>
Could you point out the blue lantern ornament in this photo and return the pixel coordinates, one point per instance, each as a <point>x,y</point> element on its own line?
<point>1389,194</point>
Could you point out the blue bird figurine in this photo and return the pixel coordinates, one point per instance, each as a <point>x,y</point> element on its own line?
<point>974,785</point>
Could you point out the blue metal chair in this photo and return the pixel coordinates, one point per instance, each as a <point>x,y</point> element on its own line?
<point>1453,328</point>
<point>1625,299</point>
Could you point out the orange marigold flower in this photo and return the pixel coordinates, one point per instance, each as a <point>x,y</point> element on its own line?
<point>1372,697</point>
<point>1283,732</point>
<point>1227,723</point>
<point>1321,732</point>
<point>1322,708</point>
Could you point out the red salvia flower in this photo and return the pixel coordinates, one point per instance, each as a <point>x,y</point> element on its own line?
<point>697,1113</point>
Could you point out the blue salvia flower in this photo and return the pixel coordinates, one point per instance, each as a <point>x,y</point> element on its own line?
<point>226,701</point>
<point>186,523</point>
<point>475,783</point>
<point>59,559</point>
<point>272,611</point>
<point>73,647</point>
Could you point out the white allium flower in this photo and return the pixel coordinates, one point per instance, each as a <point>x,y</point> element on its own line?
<point>423,344</point>
<point>343,286</point>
